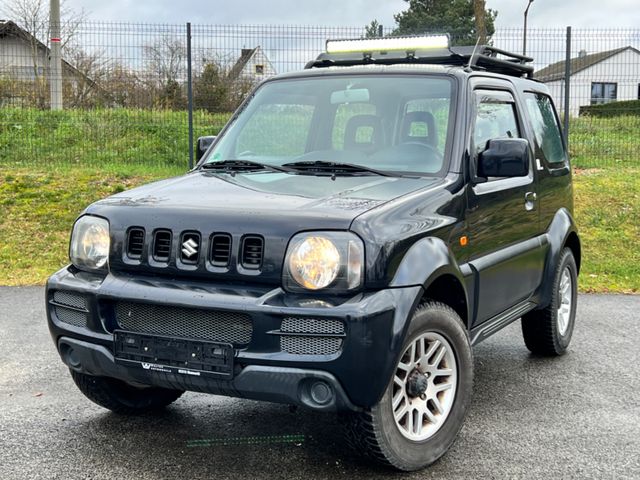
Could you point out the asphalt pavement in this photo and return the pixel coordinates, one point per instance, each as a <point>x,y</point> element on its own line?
<point>577,416</point>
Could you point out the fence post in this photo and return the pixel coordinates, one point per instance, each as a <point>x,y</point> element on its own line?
<point>189,95</point>
<point>380,31</point>
<point>567,87</point>
<point>55,62</point>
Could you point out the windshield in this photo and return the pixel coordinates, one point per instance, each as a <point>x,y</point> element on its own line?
<point>388,123</point>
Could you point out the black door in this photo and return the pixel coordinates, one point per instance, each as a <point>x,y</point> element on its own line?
<point>502,215</point>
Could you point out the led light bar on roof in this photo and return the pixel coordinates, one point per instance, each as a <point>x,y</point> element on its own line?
<point>405,44</point>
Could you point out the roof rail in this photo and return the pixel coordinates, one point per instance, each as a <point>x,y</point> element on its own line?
<point>486,58</point>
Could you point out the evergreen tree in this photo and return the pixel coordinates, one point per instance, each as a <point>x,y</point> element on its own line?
<point>372,30</point>
<point>455,17</point>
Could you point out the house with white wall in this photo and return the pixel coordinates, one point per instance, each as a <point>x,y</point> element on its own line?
<point>24,59</point>
<point>253,65</point>
<point>601,77</point>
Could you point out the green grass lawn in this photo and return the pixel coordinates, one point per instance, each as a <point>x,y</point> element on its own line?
<point>607,209</point>
<point>605,142</point>
<point>39,207</point>
<point>97,138</point>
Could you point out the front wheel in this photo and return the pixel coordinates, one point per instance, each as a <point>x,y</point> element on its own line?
<point>548,331</point>
<point>424,405</point>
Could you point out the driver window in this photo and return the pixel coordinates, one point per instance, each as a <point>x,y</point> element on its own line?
<point>495,118</point>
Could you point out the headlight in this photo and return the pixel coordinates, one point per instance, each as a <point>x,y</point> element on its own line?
<point>90,243</point>
<point>324,260</point>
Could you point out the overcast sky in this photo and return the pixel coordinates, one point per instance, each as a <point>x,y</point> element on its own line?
<point>543,13</point>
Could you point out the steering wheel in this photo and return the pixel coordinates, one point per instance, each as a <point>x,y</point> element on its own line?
<point>429,147</point>
<point>247,153</point>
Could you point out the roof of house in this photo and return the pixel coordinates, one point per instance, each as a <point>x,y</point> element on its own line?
<point>245,56</point>
<point>8,27</point>
<point>555,71</point>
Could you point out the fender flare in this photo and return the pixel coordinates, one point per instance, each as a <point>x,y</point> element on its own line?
<point>427,260</point>
<point>561,228</point>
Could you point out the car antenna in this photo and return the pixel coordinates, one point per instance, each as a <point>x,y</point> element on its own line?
<point>472,60</point>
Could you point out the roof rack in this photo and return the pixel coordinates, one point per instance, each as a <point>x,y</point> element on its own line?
<point>481,57</point>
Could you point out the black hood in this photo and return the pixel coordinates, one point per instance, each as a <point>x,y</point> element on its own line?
<point>273,206</point>
<point>262,196</point>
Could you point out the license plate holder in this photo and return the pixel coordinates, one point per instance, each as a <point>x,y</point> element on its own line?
<point>179,356</point>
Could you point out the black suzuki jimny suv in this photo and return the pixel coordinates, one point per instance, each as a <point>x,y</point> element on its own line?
<point>341,245</point>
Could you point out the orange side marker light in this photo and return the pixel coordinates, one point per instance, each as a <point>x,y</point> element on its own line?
<point>463,241</point>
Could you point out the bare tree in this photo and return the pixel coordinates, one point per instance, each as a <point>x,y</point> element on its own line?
<point>124,87</point>
<point>165,62</point>
<point>84,88</point>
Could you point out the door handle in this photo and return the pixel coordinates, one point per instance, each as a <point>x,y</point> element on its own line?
<point>530,201</point>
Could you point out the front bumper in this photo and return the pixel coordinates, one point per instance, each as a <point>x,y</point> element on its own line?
<point>353,377</point>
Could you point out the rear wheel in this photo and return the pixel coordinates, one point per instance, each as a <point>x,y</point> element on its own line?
<point>548,331</point>
<point>424,405</point>
<point>122,398</point>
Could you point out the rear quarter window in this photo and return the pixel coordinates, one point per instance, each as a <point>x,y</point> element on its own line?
<point>543,118</point>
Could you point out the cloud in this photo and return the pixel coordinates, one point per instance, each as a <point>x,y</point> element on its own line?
<point>543,13</point>
<point>577,13</point>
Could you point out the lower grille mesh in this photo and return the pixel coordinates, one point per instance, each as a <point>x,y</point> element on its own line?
<point>72,317</point>
<point>71,299</point>
<point>212,325</point>
<point>312,325</point>
<point>310,345</point>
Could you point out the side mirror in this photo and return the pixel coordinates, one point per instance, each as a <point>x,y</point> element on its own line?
<point>504,157</point>
<point>203,145</point>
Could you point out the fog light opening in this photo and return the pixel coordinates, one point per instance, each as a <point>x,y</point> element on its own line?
<point>321,392</point>
<point>69,357</point>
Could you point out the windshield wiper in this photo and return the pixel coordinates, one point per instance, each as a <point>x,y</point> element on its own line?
<point>244,166</point>
<point>321,166</point>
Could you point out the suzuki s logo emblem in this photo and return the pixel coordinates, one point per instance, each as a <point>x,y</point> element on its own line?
<point>189,248</point>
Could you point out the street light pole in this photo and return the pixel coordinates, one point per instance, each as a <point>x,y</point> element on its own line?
<point>524,35</point>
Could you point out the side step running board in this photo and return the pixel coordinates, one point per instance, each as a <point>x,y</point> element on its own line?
<point>491,326</point>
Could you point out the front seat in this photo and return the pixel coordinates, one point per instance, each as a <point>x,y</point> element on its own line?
<point>363,133</point>
<point>408,134</point>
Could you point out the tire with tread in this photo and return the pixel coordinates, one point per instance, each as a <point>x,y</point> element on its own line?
<point>374,433</point>
<point>121,398</point>
<point>540,327</point>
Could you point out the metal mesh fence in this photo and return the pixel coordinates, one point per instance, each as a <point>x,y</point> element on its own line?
<point>125,87</point>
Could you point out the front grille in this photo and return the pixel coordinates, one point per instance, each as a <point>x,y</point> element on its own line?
<point>298,345</point>
<point>251,254</point>
<point>220,250</point>
<point>312,325</point>
<point>135,242</point>
<point>212,325</point>
<point>193,250</point>
<point>162,246</point>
